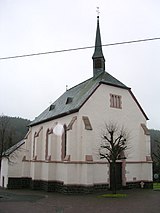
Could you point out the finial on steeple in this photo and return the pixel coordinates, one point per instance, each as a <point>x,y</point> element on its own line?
<point>98,58</point>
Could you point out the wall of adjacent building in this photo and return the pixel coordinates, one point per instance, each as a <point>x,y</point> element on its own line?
<point>12,165</point>
<point>4,172</point>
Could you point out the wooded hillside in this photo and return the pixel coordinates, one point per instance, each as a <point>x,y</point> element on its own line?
<point>12,130</point>
<point>155,151</point>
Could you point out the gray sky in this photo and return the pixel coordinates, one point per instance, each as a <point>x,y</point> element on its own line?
<point>28,85</point>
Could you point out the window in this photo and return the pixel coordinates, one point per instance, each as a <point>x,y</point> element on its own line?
<point>52,106</point>
<point>69,100</point>
<point>87,123</point>
<point>36,145</point>
<point>64,143</point>
<point>98,63</point>
<point>71,123</point>
<point>48,144</point>
<point>115,101</point>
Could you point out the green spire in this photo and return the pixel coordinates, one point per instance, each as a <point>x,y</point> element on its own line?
<point>98,58</point>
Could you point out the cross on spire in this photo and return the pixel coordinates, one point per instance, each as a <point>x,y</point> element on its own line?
<point>98,12</point>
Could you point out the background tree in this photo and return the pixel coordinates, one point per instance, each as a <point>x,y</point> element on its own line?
<point>155,151</point>
<point>114,143</point>
<point>156,161</point>
<point>12,130</point>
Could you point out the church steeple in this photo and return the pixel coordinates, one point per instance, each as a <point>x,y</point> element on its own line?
<point>98,58</point>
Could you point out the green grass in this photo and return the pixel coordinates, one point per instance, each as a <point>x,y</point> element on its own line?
<point>113,195</point>
<point>156,186</point>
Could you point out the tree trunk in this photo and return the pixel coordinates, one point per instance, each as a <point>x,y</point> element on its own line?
<point>113,177</point>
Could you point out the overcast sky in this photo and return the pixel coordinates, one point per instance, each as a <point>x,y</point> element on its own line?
<point>29,85</point>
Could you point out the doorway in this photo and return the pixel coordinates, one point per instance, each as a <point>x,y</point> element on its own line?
<point>116,178</point>
<point>3,181</point>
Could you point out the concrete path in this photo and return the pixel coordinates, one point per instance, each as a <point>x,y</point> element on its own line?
<point>27,201</point>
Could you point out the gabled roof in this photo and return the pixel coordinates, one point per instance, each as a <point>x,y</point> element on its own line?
<point>72,100</point>
<point>13,148</point>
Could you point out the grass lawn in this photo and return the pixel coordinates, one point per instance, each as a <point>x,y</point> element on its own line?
<point>113,195</point>
<point>156,186</point>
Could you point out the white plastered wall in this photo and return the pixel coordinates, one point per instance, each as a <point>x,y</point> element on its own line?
<point>98,109</point>
<point>139,171</point>
<point>82,142</point>
<point>4,173</point>
<point>12,166</point>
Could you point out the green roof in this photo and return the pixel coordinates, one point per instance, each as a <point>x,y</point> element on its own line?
<point>98,53</point>
<point>72,100</point>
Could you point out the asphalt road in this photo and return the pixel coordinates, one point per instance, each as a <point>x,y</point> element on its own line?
<point>27,201</point>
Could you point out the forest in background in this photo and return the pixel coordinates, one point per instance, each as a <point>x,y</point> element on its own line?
<point>155,152</point>
<point>12,130</point>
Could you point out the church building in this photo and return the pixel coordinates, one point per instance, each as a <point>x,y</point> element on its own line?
<point>61,149</point>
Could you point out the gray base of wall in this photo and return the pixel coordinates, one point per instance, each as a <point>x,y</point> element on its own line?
<point>55,186</point>
<point>133,185</point>
<point>18,183</point>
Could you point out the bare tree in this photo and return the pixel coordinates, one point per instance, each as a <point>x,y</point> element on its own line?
<point>114,143</point>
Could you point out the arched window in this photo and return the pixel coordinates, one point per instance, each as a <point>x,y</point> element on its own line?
<point>46,148</point>
<point>34,145</point>
<point>48,144</point>
<point>64,143</point>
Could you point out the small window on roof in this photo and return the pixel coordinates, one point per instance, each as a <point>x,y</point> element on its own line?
<point>52,106</point>
<point>69,100</point>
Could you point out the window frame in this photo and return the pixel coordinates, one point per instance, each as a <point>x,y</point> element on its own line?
<point>115,101</point>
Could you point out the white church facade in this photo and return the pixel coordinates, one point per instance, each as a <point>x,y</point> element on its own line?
<point>70,162</point>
